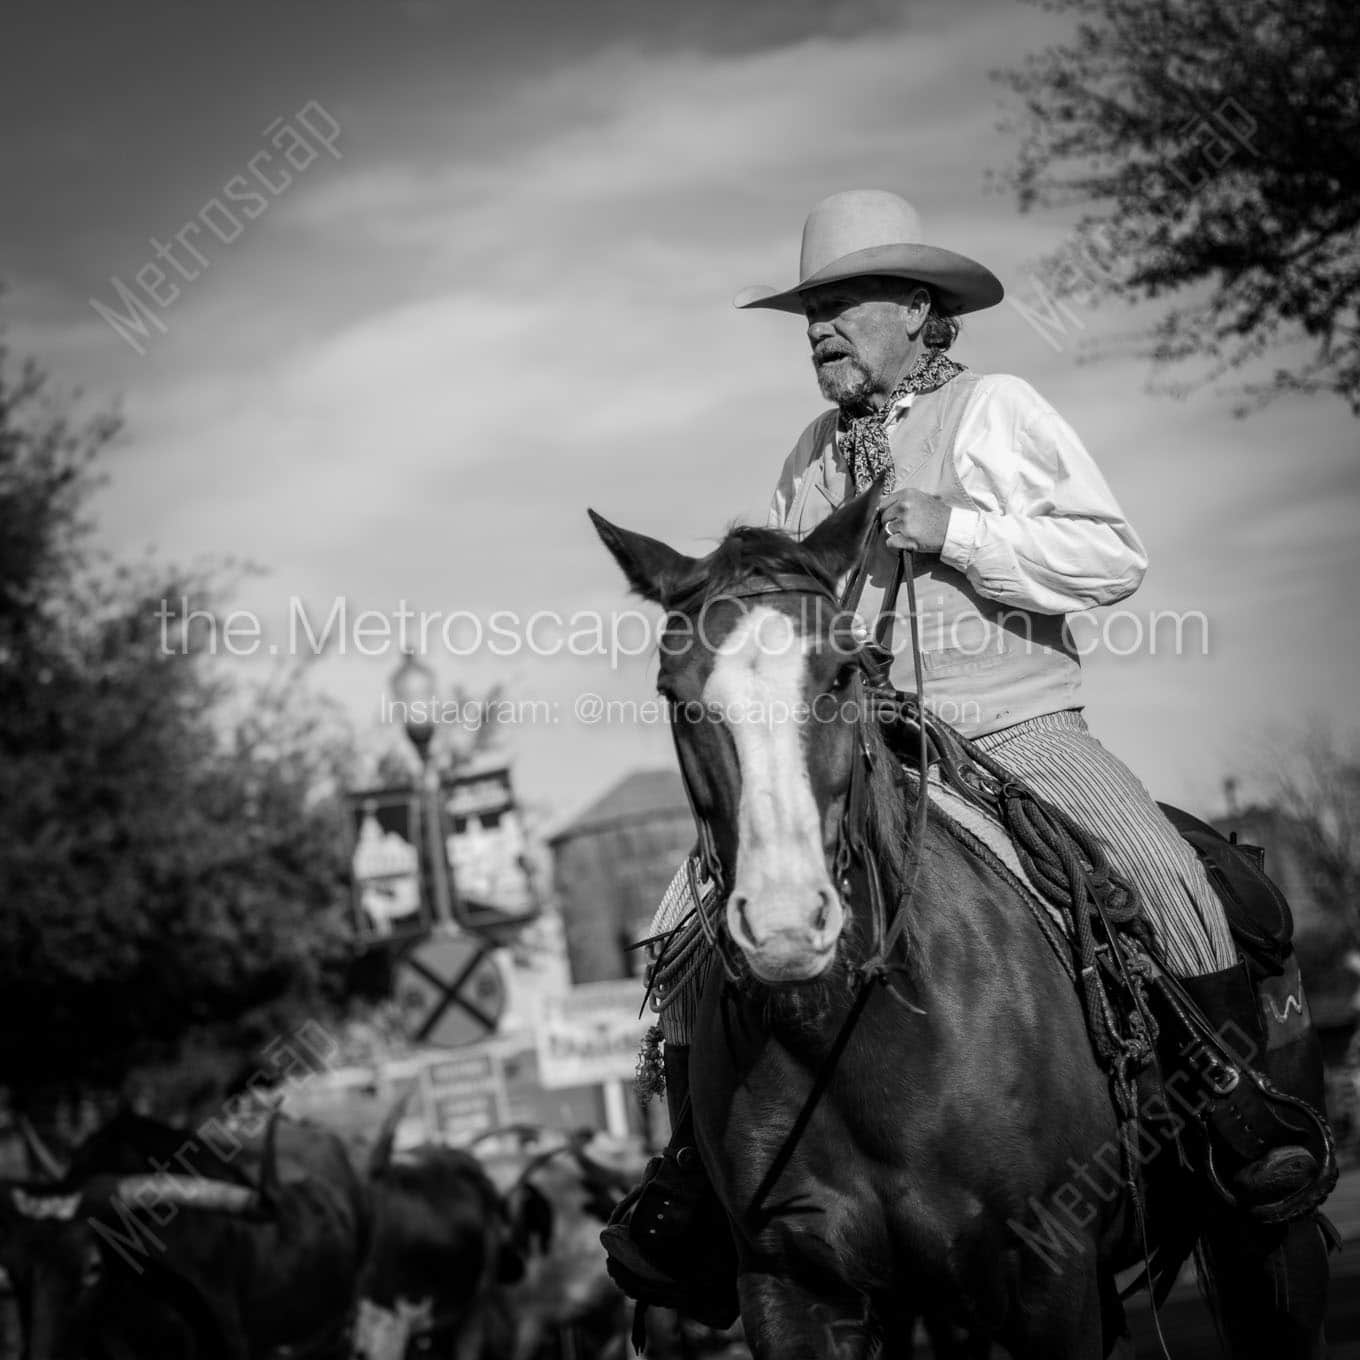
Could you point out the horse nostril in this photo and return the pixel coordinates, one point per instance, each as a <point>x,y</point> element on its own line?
<point>739,904</point>
<point>823,909</point>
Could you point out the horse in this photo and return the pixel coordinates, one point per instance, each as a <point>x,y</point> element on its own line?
<point>930,1132</point>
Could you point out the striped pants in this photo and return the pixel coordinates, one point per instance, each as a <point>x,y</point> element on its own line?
<point>1057,756</point>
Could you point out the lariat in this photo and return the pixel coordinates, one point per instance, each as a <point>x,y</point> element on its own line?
<point>1069,867</point>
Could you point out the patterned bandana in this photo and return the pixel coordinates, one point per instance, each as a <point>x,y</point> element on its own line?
<point>864,441</point>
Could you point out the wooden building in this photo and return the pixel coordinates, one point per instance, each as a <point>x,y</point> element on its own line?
<point>611,865</point>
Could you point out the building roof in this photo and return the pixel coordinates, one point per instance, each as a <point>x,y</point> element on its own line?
<point>637,797</point>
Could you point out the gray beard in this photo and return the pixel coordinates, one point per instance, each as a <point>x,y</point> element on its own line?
<point>846,383</point>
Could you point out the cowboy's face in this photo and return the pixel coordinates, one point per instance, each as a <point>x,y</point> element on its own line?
<point>862,332</point>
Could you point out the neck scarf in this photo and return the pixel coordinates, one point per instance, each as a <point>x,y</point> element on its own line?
<point>864,441</point>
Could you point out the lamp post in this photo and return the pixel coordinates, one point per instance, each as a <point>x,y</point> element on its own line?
<point>413,687</point>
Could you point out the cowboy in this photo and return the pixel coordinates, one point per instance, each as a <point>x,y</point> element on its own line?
<point>1012,528</point>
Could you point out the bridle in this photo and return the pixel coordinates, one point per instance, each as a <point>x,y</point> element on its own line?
<point>874,659</point>
<point>872,694</point>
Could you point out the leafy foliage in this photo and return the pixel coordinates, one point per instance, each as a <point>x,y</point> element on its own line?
<point>1216,144</point>
<point>1316,783</point>
<point>172,859</point>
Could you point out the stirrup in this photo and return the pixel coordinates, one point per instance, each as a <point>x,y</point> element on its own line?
<point>662,1243</point>
<point>1272,1134</point>
<point>1309,1156</point>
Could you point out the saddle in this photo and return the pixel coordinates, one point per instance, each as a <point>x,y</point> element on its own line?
<point>1128,995</point>
<point>1259,917</point>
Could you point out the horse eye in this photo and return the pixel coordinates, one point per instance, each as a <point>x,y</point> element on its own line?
<point>845,675</point>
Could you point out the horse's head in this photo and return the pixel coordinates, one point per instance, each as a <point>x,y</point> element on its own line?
<point>762,669</point>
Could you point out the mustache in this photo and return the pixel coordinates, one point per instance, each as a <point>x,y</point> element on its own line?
<point>829,350</point>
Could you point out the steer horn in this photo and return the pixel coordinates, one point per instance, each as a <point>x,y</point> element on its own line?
<point>138,1192</point>
<point>40,1156</point>
<point>188,1192</point>
<point>381,1156</point>
<point>269,1163</point>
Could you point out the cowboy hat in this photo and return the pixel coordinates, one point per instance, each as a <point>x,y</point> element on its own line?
<point>870,231</point>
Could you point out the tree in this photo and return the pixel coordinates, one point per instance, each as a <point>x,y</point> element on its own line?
<point>172,860</point>
<point>1215,145</point>
<point>1316,784</point>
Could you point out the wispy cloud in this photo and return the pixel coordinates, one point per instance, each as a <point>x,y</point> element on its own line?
<point>512,299</point>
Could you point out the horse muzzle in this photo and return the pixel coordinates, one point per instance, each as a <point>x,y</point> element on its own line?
<point>781,950</point>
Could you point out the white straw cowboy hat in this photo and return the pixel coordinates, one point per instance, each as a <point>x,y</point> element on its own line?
<point>870,231</point>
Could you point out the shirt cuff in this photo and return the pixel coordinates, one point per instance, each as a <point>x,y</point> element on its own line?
<point>960,538</point>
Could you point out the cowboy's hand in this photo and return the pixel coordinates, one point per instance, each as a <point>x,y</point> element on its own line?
<point>915,520</point>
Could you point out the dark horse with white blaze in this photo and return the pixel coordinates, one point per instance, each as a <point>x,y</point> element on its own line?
<point>929,1143</point>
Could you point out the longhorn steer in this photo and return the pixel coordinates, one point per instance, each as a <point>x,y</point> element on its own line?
<point>559,1196</point>
<point>198,1259</point>
<point>439,1259</point>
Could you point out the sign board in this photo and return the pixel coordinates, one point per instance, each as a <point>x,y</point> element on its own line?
<point>590,1034</point>
<point>464,1096</point>
<point>388,894</point>
<point>487,846</point>
<point>486,849</point>
<point>450,991</point>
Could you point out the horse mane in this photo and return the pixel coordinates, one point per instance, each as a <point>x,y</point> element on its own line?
<point>749,550</point>
<point>888,833</point>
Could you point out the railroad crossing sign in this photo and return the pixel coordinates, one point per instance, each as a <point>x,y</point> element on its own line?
<point>450,991</point>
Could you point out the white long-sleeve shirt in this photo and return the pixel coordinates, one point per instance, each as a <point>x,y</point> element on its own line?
<point>1047,534</point>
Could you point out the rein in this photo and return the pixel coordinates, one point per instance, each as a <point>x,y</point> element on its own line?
<point>876,662</point>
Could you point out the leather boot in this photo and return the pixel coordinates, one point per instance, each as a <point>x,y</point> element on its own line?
<point>1260,1141</point>
<point>669,1242</point>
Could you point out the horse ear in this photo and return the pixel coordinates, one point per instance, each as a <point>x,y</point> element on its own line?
<point>838,542</point>
<point>654,570</point>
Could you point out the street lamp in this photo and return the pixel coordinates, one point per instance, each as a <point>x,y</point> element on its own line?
<point>413,689</point>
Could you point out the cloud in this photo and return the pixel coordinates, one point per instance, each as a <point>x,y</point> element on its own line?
<point>511,299</point>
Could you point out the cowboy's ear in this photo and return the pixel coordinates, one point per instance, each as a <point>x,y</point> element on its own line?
<point>838,542</point>
<point>654,570</point>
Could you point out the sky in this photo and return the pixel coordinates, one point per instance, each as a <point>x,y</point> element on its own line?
<point>473,271</point>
